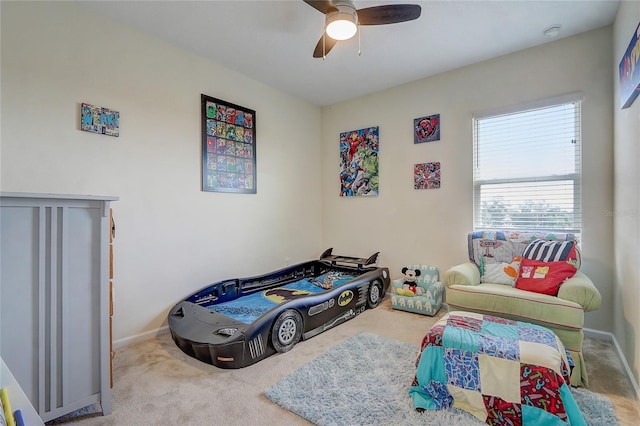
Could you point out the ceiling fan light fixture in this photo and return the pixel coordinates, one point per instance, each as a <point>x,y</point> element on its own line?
<point>342,24</point>
<point>343,20</point>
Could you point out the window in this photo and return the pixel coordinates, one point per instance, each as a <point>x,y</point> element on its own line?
<point>527,169</point>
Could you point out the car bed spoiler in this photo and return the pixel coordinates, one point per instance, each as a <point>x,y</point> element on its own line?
<point>361,262</point>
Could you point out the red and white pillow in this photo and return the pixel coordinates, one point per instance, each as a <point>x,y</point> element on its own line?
<point>543,277</point>
<point>546,265</point>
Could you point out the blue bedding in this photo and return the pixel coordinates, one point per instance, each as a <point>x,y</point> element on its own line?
<point>249,308</point>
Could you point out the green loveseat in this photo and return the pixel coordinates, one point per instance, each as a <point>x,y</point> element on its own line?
<point>467,288</point>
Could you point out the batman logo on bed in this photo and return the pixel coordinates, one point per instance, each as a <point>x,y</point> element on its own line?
<point>280,295</point>
<point>345,297</point>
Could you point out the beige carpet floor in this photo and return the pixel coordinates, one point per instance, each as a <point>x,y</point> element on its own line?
<point>157,384</point>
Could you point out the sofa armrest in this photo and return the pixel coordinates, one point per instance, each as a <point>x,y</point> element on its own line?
<point>463,274</point>
<point>580,289</point>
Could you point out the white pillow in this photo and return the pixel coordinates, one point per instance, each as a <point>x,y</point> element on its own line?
<point>501,273</point>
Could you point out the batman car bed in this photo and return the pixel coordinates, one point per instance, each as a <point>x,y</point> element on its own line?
<point>237,322</point>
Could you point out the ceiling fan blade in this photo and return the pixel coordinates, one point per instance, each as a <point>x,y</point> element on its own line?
<point>388,14</point>
<point>324,6</point>
<point>321,51</point>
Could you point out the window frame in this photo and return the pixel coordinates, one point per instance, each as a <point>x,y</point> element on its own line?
<point>575,177</point>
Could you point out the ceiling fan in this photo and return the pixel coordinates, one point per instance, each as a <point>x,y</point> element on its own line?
<point>342,19</point>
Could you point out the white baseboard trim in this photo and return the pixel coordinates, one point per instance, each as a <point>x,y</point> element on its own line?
<point>117,344</point>
<point>604,335</point>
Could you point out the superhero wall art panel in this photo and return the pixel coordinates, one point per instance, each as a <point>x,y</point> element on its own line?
<point>630,72</point>
<point>228,147</point>
<point>426,175</point>
<point>101,120</point>
<point>359,163</point>
<point>426,129</point>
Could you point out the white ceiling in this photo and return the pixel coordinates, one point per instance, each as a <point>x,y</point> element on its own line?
<point>273,41</point>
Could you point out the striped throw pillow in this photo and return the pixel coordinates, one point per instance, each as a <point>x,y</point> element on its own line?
<point>553,251</point>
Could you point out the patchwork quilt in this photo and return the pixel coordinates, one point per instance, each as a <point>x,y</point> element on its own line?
<point>504,372</point>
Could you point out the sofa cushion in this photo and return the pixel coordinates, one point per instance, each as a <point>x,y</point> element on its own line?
<point>495,246</point>
<point>520,305</point>
<point>489,247</point>
<point>553,251</point>
<point>501,273</point>
<point>543,277</point>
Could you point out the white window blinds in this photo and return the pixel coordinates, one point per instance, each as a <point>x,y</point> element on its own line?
<point>527,167</point>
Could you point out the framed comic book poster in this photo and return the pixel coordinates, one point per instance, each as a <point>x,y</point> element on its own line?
<point>359,163</point>
<point>228,147</point>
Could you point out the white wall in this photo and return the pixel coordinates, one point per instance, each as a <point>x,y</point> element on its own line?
<point>430,226</point>
<point>626,315</point>
<point>172,238</point>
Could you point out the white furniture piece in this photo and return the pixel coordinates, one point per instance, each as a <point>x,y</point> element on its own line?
<point>19,400</point>
<point>55,299</point>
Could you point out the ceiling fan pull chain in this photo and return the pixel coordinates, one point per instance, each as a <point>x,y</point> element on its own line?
<point>359,44</point>
<point>324,54</point>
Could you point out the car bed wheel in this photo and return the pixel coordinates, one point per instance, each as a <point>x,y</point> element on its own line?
<point>286,331</point>
<point>375,294</point>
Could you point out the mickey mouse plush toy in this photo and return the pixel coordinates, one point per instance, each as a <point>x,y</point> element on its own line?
<point>410,276</point>
<point>409,287</point>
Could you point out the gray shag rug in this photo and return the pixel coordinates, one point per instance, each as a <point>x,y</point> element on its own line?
<point>365,380</point>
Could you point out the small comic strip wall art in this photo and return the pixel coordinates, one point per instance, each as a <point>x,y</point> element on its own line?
<point>101,120</point>
<point>426,129</point>
<point>359,163</point>
<point>426,175</point>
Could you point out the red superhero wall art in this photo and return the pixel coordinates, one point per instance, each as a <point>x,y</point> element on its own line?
<point>426,175</point>
<point>359,162</point>
<point>426,129</point>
